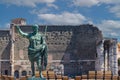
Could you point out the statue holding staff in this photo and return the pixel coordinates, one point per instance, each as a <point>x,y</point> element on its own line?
<point>37,49</point>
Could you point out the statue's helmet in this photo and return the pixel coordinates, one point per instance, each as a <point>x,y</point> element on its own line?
<point>35,27</point>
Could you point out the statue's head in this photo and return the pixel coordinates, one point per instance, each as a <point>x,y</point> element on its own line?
<point>35,28</point>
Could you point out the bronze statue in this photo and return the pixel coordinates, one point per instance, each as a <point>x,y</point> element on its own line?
<point>37,49</point>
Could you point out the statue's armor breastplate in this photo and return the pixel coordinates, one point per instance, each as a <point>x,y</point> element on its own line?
<point>35,41</point>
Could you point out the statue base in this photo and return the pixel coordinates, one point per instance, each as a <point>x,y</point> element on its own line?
<point>34,78</point>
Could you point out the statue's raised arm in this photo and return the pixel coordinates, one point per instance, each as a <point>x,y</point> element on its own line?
<point>37,50</point>
<point>21,32</point>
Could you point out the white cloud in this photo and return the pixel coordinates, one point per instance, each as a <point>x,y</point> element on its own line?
<point>64,18</point>
<point>30,3</point>
<point>116,10</point>
<point>85,3</point>
<point>110,27</point>
<point>39,11</point>
<point>111,24</point>
<point>90,3</point>
<point>52,5</point>
<point>114,5</point>
<point>110,1</point>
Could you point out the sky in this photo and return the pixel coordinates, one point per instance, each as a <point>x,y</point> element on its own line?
<point>104,14</point>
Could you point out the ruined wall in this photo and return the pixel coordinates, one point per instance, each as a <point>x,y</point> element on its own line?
<point>4,44</point>
<point>72,49</point>
<point>5,52</point>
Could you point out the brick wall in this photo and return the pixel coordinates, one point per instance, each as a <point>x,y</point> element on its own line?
<point>5,52</point>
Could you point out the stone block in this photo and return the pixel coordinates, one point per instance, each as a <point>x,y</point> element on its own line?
<point>34,78</point>
<point>65,78</point>
<point>77,77</point>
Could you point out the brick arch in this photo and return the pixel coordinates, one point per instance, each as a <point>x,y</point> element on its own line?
<point>16,74</point>
<point>17,67</point>
<point>24,73</point>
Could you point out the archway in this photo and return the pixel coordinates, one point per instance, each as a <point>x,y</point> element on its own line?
<point>16,74</point>
<point>24,73</point>
<point>6,72</point>
<point>30,73</point>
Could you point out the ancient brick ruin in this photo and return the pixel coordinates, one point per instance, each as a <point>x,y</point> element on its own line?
<point>72,50</point>
<point>5,52</point>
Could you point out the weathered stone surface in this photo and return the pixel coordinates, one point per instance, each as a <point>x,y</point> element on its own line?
<point>4,44</point>
<point>5,51</point>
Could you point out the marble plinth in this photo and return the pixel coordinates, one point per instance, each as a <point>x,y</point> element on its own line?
<point>35,78</point>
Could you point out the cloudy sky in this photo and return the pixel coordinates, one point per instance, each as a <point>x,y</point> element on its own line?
<point>105,14</point>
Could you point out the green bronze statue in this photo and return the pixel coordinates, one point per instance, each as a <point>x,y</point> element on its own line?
<point>37,49</point>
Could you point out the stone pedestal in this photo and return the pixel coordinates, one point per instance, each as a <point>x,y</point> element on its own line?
<point>35,78</point>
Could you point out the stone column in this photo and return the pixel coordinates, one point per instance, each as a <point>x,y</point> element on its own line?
<point>0,67</point>
<point>100,57</point>
<point>105,61</point>
<point>12,49</point>
<point>115,58</point>
<point>111,58</point>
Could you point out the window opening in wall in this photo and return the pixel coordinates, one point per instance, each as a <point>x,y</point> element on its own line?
<point>16,74</point>
<point>24,73</point>
<point>30,72</point>
<point>6,72</point>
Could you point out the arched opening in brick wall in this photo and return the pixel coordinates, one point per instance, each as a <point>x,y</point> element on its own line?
<point>6,72</point>
<point>24,73</point>
<point>16,74</point>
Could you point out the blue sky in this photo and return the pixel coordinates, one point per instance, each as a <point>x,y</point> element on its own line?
<point>105,14</point>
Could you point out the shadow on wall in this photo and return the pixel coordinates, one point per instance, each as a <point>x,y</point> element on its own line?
<point>6,70</point>
<point>81,48</point>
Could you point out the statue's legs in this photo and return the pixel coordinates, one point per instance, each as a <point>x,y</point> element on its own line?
<point>33,68</point>
<point>39,67</point>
